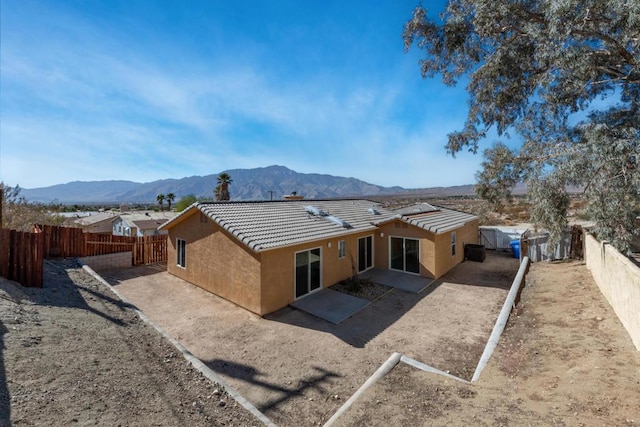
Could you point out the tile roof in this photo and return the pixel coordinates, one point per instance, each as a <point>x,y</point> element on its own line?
<point>268,225</point>
<point>416,208</point>
<point>94,218</point>
<point>148,224</point>
<point>274,224</point>
<point>440,221</point>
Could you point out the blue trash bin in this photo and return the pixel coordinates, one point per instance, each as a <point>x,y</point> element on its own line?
<point>515,247</point>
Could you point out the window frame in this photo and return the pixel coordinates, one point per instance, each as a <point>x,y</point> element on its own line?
<point>453,243</point>
<point>181,253</point>
<point>369,255</point>
<point>309,273</point>
<point>342,249</point>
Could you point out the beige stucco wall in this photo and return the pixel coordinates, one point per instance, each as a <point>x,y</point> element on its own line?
<point>216,262</point>
<point>278,269</point>
<point>619,281</point>
<point>444,260</point>
<point>265,282</point>
<point>435,249</point>
<point>402,229</point>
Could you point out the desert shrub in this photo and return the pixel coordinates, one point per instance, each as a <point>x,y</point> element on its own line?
<point>19,214</point>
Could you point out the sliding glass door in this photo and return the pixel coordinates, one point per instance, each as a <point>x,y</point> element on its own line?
<point>404,254</point>
<point>365,253</point>
<point>308,268</point>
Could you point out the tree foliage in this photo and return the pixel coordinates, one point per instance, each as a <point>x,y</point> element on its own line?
<point>170,197</point>
<point>160,198</point>
<point>562,74</point>
<point>19,214</point>
<point>184,203</point>
<point>221,191</point>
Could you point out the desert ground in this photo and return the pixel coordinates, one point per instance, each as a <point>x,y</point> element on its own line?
<point>298,369</point>
<point>73,353</point>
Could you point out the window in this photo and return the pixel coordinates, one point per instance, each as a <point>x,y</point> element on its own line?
<point>342,248</point>
<point>453,243</point>
<point>308,272</point>
<point>404,254</point>
<point>365,253</point>
<point>181,253</point>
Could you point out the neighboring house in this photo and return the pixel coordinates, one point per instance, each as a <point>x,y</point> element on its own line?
<point>264,255</point>
<point>100,222</point>
<point>140,224</point>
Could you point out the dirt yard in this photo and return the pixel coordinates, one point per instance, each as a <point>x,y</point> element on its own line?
<point>72,353</point>
<point>298,369</point>
<point>564,359</point>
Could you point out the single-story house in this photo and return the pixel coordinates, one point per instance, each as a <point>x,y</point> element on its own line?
<point>140,224</point>
<point>99,222</point>
<point>265,255</point>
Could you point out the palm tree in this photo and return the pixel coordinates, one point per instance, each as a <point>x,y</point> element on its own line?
<point>222,190</point>
<point>160,200</point>
<point>170,197</point>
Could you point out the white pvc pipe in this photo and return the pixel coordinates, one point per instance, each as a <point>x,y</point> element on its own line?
<point>498,328</point>
<point>424,367</point>
<point>383,370</point>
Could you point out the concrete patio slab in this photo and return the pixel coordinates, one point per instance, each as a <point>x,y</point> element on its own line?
<point>330,305</point>
<point>395,279</point>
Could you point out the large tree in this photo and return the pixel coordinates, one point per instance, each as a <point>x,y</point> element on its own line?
<point>160,198</point>
<point>170,197</point>
<point>564,75</point>
<point>221,191</point>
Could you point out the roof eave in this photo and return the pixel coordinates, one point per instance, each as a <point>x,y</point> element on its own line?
<point>180,217</point>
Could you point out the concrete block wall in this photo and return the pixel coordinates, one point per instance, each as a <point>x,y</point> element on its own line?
<point>109,261</point>
<point>619,281</point>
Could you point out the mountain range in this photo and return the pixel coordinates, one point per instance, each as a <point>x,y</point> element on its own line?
<point>271,182</point>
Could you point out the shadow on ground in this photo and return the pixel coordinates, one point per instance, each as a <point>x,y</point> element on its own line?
<point>58,290</point>
<point>498,271</point>
<point>115,277</point>
<point>317,379</point>
<point>5,401</point>
<point>57,277</point>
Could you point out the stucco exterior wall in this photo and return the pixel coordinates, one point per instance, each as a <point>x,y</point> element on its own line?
<point>278,269</point>
<point>444,261</point>
<point>216,262</point>
<point>619,281</point>
<point>402,229</point>
<point>265,282</point>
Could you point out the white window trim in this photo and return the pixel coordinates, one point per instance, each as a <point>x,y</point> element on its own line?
<point>184,249</point>
<point>454,241</point>
<point>405,261</point>
<point>294,273</point>
<point>373,253</point>
<point>342,249</point>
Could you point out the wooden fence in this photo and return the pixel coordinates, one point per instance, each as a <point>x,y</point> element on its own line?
<point>21,253</point>
<point>21,257</point>
<point>67,242</point>
<point>150,249</point>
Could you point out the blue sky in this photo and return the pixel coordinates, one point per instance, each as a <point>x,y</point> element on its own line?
<point>145,90</point>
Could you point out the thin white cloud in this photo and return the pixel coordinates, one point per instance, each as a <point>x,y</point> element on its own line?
<point>105,109</point>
